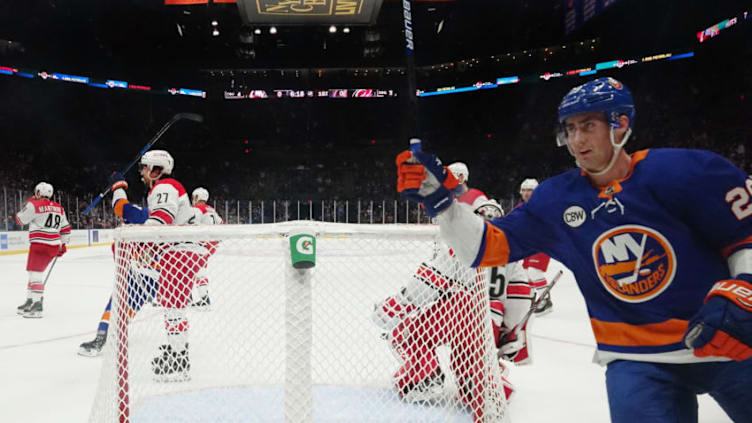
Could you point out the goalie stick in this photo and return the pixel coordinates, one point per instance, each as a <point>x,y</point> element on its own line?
<point>514,332</point>
<point>180,116</point>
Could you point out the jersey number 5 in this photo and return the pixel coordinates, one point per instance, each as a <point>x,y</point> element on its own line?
<point>739,200</point>
<point>497,284</point>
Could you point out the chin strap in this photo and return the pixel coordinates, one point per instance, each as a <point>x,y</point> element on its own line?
<point>614,155</point>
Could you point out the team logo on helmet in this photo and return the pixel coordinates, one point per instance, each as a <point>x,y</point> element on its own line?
<point>634,263</point>
<point>614,83</point>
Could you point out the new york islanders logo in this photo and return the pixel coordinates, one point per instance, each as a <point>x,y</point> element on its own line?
<point>634,263</point>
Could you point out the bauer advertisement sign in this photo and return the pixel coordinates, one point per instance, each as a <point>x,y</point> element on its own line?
<point>309,12</point>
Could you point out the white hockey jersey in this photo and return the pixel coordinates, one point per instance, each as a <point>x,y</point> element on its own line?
<point>168,204</point>
<point>47,222</point>
<point>205,214</point>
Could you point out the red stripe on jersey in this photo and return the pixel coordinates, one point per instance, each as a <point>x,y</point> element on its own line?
<point>44,205</point>
<point>162,215</point>
<point>65,230</point>
<point>524,290</point>
<point>735,246</point>
<point>536,261</point>
<point>203,207</point>
<point>43,235</point>
<point>431,276</point>
<point>176,327</point>
<point>169,181</point>
<point>539,284</point>
<point>470,196</point>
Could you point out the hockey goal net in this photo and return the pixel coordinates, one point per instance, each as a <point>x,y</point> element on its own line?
<point>277,343</point>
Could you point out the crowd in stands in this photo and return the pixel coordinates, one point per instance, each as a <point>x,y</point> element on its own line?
<point>504,135</point>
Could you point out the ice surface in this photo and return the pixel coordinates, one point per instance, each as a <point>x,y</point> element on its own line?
<point>42,379</point>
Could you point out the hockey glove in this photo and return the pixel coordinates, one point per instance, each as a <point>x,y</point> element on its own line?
<point>63,249</point>
<point>421,177</point>
<point>513,345</point>
<point>117,180</point>
<point>723,326</point>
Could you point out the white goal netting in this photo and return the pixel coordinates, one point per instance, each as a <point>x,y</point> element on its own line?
<point>214,324</point>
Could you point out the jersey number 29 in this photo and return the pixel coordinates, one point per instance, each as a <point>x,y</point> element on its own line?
<point>739,200</point>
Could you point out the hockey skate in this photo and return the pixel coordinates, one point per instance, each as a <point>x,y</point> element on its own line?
<point>93,348</point>
<point>427,390</point>
<point>170,365</point>
<point>23,308</point>
<point>34,311</point>
<point>545,307</point>
<point>202,304</point>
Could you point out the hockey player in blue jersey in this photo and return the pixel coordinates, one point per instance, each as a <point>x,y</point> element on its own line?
<point>660,242</point>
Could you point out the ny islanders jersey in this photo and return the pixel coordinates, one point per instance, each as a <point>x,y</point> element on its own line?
<point>645,250</point>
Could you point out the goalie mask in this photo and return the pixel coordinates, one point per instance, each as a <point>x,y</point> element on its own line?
<point>158,158</point>
<point>44,189</point>
<point>490,210</point>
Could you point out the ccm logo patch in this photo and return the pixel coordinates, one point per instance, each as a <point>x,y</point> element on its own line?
<point>634,263</point>
<point>574,216</point>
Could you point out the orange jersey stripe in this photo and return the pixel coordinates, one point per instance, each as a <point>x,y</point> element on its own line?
<point>119,206</point>
<point>496,252</point>
<point>653,334</point>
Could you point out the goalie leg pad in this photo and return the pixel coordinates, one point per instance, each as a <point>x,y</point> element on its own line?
<point>176,279</point>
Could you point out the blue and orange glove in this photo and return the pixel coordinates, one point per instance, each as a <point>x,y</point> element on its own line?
<point>723,326</point>
<point>117,180</point>
<point>421,177</point>
<point>118,185</point>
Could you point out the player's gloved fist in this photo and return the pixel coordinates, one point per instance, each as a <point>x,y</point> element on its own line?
<point>421,177</point>
<point>63,249</point>
<point>723,326</point>
<point>117,180</point>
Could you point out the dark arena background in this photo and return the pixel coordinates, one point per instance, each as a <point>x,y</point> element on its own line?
<point>303,116</point>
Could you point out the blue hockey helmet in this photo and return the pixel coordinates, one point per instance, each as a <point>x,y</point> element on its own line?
<point>599,95</point>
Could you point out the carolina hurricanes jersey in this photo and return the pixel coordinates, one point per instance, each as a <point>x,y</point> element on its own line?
<point>538,262</point>
<point>509,291</point>
<point>473,197</point>
<point>507,284</point>
<point>168,204</point>
<point>645,250</point>
<point>206,215</point>
<point>47,222</point>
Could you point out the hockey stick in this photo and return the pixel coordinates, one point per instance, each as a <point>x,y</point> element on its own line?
<point>180,116</point>
<point>49,271</point>
<point>514,332</point>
